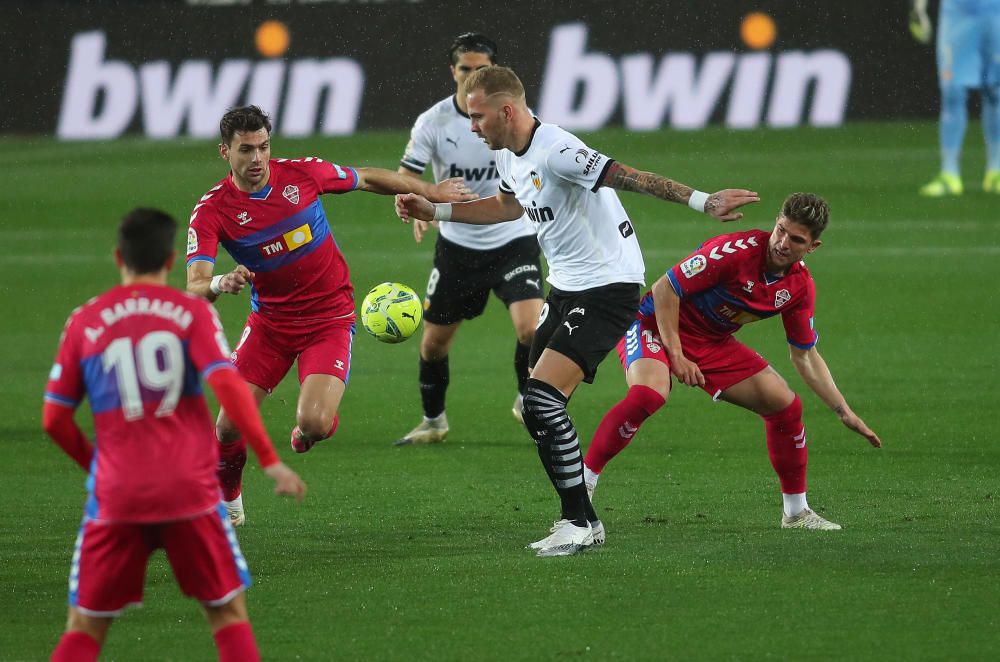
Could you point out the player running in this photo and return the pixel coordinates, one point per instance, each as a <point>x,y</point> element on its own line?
<point>686,326</point>
<point>968,57</point>
<point>139,353</point>
<point>267,215</point>
<point>469,260</point>
<point>595,268</point>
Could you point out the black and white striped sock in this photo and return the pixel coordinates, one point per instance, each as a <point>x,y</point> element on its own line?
<point>548,422</point>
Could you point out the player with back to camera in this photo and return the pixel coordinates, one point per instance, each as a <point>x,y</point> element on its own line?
<point>685,326</point>
<point>595,267</point>
<point>968,57</point>
<point>138,352</point>
<point>469,260</point>
<point>267,214</point>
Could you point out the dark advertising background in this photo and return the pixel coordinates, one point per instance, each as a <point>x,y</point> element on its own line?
<point>390,60</point>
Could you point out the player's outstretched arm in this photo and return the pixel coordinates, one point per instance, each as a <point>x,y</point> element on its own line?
<point>200,280</point>
<point>815,373</point>
<point>234,397</point>
<point>58,423</point>
<point>386,182</point>
<point>499,208</point>
<point>667,305</point>
<point>420,228</point>
<point>721,204</point>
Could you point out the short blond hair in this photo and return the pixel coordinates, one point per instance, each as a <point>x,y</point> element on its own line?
<point>495,80</point>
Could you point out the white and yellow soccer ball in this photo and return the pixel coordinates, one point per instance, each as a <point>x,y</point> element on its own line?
<point>391,312</point>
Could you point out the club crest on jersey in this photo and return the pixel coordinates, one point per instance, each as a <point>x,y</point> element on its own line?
<point>291,194</point>
<point>536,180</point>
<point>781,297</point>
<point>243,218</point>
<point>693,266</point>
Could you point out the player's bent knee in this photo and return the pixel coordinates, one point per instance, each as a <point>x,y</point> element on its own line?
<point>225,431</point>
<point>315,425</point>
<point>94,626</point>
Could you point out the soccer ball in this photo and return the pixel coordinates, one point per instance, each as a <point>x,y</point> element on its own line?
<point>391,312</point>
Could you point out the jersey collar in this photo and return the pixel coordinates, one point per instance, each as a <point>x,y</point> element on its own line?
<point>524,151</point>
<point>454,102</point>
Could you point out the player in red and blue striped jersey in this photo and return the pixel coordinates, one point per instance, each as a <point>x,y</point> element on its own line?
<point>139,352</point>
<point>267,215</point>
<point>685,326</point>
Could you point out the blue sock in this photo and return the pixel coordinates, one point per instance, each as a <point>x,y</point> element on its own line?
<point>954,118</point>
<point>991,126</point>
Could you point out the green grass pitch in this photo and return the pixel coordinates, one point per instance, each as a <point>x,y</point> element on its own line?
<point>418,553</point>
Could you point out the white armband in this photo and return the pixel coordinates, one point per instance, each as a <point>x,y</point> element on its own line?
<point>697,201</point>
<point>216,284</point>
<point>442,212</point>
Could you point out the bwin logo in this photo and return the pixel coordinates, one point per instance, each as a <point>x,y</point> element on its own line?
<point>103,96</point>
<point>474,174</point>
<point>539,214</point>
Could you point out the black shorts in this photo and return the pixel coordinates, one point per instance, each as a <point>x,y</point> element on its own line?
<point>585,325</point>
<point>462,278</point>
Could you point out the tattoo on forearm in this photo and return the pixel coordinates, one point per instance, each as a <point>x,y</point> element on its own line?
<point>839,410</point>
<point>626,178</point>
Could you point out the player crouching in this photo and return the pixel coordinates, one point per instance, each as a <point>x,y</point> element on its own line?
<point>685,326</point>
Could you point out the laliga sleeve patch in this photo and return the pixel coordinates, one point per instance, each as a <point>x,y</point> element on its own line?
<point>693,266</point>
<point>192,241</point>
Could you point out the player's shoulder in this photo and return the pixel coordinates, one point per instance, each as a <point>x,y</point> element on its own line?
<point>440,113</point>
<point>743,243</point>
<point>211,201</point>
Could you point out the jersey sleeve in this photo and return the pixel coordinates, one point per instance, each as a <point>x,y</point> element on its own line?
<point>207,344</point>
<point>330,177</point>
<point>420,149</point>
<point>573,161</point>
<point>65,386</point>
<point>503,172</point>
<point>702,269</point>
<point>799,323</point>
<point>203,235</point>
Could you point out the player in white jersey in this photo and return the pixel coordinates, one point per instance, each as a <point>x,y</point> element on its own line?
<point>595,267</point>
<point>469,260</point>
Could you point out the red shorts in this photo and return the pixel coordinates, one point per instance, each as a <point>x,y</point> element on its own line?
<point>110,558</point>
<point>265,352</point>
<point>724,363</point>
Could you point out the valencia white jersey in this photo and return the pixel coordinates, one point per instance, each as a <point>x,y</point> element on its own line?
<point>587,237</point>
<point>442,137</point>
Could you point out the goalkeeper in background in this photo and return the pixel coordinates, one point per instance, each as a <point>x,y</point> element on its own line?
<point>968,56</point>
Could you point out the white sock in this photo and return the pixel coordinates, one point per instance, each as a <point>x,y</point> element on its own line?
<point>794,503</point>
<point>589,477</point>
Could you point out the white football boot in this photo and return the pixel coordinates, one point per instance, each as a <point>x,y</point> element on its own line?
<point>597,529</point>
<point>518,409</point>
<point>234,508</point>
<point>807,519</point>
<point>430,431</point>
<point>566,539</point>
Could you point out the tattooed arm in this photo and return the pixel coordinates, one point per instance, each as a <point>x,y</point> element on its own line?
<point>720,205</point>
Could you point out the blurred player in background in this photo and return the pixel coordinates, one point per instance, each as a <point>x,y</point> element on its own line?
<point>469,260</point>
<point>267,215</point>
<point>686,326</point>
<point>595,268</point>
<point>139,353</point>
<point>968,57</point>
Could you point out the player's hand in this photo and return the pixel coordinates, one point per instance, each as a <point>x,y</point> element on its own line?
<point>286,481</point>
<point>687,372</point>
<point>420,227</point>
<point>722,204</point>
<point>452,190</point>
<point>411,205</point>
<point>920,26</point>
<point>854,422</point>
<point>236,280</point>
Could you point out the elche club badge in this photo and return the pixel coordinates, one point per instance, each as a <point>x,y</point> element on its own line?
<point>781,297</point>
<point>291,194</point>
